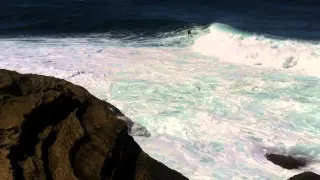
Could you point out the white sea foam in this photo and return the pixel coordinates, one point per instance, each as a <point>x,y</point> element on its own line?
<point>227,44</point>
<point>208,119</point>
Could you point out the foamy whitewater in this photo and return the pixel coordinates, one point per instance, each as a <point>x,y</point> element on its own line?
<point>213,106</point>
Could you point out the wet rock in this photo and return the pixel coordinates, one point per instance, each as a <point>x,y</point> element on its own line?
<point>135,128</point>
<point>305,176</point>
<point>287,162</point>
<point>53,129</point>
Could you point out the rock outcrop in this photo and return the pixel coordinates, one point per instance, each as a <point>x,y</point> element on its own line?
<point>53,129</point>
<point>305,176</point>
<point>290,162</point>
<point>287,162</point>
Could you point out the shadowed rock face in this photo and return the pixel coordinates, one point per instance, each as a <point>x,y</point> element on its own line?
<point>52,129</point>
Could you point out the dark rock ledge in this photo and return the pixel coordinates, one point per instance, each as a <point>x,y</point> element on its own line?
<point>55,130</point>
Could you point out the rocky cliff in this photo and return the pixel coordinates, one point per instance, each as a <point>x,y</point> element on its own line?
<point>52,129</point>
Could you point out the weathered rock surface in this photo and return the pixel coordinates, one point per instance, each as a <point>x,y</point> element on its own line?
<point>306,176</point>
<point>53,129</point>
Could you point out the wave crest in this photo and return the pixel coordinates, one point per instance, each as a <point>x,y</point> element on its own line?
<point>232,45</point>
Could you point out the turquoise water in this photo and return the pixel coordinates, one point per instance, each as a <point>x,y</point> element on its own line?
<point>241,107</point>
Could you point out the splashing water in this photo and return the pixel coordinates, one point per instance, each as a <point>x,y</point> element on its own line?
<point>235,46</point>
<point>209,119</point>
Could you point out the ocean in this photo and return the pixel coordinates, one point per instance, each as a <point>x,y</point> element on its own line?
<point>244,83</point>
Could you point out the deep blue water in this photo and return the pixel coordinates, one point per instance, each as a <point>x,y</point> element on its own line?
<point>288,19</point>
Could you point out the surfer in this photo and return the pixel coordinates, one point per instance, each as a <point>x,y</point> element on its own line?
<point>189,33</point>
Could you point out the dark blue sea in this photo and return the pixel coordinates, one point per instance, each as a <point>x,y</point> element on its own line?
<point>289,19</point>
